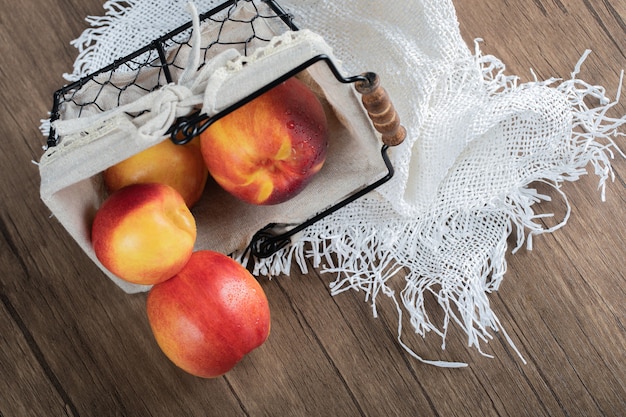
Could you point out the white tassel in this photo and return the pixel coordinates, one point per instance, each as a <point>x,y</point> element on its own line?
<point>88,43</point>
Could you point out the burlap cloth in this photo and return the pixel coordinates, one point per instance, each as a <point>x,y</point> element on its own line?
<point>478,139</point>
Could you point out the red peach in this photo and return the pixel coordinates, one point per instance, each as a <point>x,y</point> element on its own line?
<point>269,149</point>
<point>210,315</point>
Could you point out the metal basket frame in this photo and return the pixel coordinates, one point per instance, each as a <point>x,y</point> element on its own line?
<point>268,240</point>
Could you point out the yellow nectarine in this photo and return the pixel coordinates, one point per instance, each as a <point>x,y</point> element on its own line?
<point>179,166</point>
<point>144,233</point>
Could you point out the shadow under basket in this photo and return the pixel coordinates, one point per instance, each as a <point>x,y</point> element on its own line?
<point>226,58</point>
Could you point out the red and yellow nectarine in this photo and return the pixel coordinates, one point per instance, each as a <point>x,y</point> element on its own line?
<point>144,233</point>
<point>179,166</point>
<point>267,151</point>
<point>210,315</point>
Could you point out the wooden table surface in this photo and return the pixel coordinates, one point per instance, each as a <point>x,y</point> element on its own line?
<point>72,344</point>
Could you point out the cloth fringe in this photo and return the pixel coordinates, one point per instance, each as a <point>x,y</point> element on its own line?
<point>87,44</point>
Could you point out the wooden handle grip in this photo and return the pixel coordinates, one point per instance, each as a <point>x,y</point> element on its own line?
<point>380,110</point>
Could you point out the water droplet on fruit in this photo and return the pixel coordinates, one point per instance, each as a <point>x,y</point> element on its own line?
<point>291,124</point>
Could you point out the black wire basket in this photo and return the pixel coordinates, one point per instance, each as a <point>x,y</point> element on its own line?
<point>162,56</point>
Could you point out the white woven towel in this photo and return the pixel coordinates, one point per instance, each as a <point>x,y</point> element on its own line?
<point>477,142</point>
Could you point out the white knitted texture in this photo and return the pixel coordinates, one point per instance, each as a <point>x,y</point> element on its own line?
<point>477,142</point>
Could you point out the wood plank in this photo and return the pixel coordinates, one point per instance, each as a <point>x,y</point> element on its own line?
<point>576,296</point>
<point>27,386</point>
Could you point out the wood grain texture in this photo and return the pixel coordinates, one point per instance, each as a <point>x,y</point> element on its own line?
<point>72,344</point>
